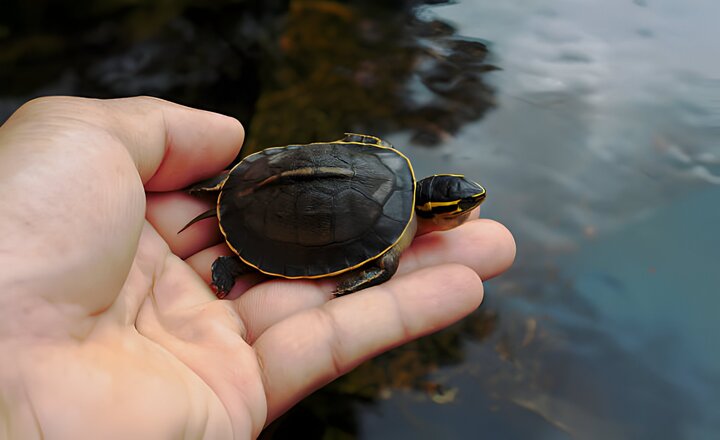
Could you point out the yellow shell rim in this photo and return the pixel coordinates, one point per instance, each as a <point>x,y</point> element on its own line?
<point>341,271</point>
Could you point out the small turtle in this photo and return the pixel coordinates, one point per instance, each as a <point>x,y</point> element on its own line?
<point>323,209</point>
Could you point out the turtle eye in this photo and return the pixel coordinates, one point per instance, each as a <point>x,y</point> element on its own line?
<point>447,195</point>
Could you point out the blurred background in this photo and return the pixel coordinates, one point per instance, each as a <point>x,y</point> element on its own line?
<point>594,124</point>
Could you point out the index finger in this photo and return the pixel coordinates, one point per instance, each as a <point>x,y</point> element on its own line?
<point>311,348</point>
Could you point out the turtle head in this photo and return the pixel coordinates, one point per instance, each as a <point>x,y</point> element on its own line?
<point>444,201</point>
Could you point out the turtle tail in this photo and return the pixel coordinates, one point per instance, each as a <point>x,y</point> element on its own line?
<point>207,214</point>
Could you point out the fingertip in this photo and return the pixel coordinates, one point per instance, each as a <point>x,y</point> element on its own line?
<point>484,245</point>
<point>233,124</point>
<point>438,296</point>
<point>199,144</point>
<point>503,245</point>
<point>172,145</point>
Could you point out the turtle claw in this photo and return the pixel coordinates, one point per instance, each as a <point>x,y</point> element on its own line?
<point>219,293</point>
<point>222,285</point>
<point>366,278</point>
<point>224,271</point>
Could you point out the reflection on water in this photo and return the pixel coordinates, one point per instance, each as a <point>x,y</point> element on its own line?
<point>602,157</point>
<point>368,68</point>
<point>598,144</point>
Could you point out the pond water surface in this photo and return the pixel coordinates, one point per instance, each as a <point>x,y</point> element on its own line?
<point>603,158</point>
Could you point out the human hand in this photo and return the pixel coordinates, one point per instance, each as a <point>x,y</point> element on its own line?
<point>108,328</point>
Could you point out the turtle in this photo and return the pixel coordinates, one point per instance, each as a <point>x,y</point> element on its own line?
<point>347,207</point>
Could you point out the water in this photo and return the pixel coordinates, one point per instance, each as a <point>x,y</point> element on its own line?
<point>603,158</point>
<point>597,141</point>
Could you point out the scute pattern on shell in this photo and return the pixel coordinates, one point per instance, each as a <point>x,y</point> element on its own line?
<point>355,206</point>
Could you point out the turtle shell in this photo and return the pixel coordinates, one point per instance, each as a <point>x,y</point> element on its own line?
<point>308,211</point>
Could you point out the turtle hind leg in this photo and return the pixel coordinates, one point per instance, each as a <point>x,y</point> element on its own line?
<point>374,275</point>
<point>366,139</point>
<point>224,271</point>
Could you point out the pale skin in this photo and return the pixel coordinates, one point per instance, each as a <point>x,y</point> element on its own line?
<point>108,328</point>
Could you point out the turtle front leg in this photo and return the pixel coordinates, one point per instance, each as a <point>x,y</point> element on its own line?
<point>224,271</point>
<point>384,268</point>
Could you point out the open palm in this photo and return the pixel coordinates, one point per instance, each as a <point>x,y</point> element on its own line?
<point>108,328</point>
